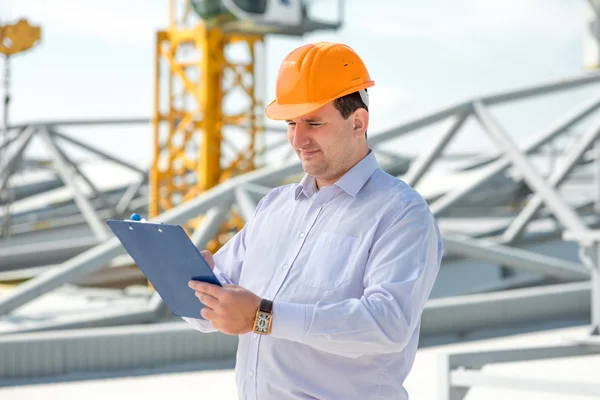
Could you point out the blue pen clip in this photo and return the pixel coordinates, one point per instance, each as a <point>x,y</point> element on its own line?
<point>136,217</point>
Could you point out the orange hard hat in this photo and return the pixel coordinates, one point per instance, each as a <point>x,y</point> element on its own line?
<point>315,74</point>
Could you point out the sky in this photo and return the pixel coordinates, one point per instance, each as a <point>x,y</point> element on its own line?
<point>96,59</point>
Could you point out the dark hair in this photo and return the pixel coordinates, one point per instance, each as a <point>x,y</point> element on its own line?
<point>349,103</point>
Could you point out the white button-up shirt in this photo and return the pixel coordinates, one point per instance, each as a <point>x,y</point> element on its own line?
<point>349,268</point>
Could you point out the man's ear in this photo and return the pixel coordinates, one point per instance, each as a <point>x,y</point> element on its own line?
<point>361,122</point>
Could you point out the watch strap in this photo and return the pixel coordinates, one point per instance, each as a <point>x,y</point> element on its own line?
<point>266,306</point>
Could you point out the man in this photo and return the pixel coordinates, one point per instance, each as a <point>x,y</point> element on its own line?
<point>326,284</point>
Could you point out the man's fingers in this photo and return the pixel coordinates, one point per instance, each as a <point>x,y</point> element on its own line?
<point>207,299</point>
<point>208,313</point>
<point>208,288</point>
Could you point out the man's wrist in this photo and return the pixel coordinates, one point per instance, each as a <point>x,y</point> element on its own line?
<point>264,317</point>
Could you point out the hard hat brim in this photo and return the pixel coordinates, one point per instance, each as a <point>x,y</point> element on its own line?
<point>283,112</point>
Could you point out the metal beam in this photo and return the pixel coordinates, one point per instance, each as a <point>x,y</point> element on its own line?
<point>422,164</point>
<point>514,257</point>
<point>98,152</point>
<point>495,232</point>
<point>210,225</point>
<point>125,200</point>
<point>9,164</point>
<point>457,373</point>
<point>392,158</point>
<point>420,122</point>
<point>595,7</point>
<point>495,168</point>
<point>83,202</point>
<point>589,254</point>
<point>500,313</point>
<point>278,144</point>
<point>559,175</point>
<point>94,319</point>
<point>109,351</point>
<point>536,90</point>
<point>482,379</point>
<point>544,88</point>
<point>597,176</point>
<point>513,282</point>
<point>246,204</point>
<point>85,122</point>
<point>71,270</point>
<point>78,171</point>
<point>8,140</point>
<point>156,303</point>
<point>481,358</point>
<point>121,268</point>
<point>259,190</point>
<point>458,376</point>
<point>562,211</point>
<point>20,256</point>
<point>41,221</point>
<point>478,161</point>
<point>447,391</point>
<point>268,176</point>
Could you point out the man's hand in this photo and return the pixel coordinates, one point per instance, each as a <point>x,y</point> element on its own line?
<point>230,308</point>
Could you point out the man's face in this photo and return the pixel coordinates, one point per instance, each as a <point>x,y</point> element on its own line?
<point>327,144</point>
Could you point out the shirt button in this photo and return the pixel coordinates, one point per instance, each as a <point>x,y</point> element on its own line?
<point>251,373</point>
<point>301,234</point>
<point>285,267</point>
<point>255,335</point>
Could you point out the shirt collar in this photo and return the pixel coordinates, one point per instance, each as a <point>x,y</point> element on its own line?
<point>307,186</point>
<point>351,182</point>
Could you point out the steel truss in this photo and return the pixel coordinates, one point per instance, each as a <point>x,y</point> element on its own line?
<point>552,289</point>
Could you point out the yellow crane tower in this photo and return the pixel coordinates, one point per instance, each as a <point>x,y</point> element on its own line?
<point>206,61</point>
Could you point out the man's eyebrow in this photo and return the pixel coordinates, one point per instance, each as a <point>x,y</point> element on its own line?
<point>309,120</point>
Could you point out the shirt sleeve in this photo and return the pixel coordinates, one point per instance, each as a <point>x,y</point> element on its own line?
<point>403,264</point>
<point>228,266</point>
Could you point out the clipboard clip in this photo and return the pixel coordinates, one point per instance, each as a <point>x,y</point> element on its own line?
<point>137,218</point>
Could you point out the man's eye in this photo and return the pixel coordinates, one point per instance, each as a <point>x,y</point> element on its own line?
<point>315,124</point>
<point>291,123</point>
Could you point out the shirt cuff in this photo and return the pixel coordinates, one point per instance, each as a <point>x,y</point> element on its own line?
<point>289,321</point>
<point>200,324</point>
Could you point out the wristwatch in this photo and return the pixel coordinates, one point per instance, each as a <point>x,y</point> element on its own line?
<point>264,317</point>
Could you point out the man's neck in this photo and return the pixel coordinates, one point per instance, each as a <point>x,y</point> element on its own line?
<point>321,183</point>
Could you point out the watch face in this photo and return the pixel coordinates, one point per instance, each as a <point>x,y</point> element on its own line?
<point>262,322</point>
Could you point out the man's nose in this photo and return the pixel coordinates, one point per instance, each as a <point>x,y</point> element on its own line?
<point>300,136</point>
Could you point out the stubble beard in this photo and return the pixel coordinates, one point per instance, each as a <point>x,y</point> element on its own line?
<point>316,169</point>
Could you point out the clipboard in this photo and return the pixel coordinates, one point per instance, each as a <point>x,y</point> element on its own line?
<point>168,258</point>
